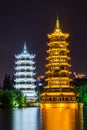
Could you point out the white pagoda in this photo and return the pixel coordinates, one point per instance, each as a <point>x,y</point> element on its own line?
<point>24,74</point>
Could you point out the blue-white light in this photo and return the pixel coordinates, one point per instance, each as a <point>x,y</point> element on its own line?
<point>24,73</point>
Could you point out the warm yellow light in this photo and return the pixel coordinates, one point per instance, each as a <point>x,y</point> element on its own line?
<point>62,118</point>
<point>59,105</point>
<point>58,72</point>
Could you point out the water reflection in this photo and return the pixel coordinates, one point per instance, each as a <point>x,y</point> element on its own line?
<point>20,119</point>
<point>62,119</point>
<point>43,119</point>
<point>26,119</point>
<point>5,119</point>
<point>85,117</point>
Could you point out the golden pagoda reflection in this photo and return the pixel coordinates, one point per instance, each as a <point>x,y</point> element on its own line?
<point>62,119</point>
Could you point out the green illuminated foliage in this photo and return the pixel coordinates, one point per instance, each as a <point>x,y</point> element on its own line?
<point>81,89</point>
<point>12,98</point>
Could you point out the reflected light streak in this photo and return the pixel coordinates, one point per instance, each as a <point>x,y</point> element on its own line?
<point>59,105</point>
<point>61,119</point>
<point>25,119</point>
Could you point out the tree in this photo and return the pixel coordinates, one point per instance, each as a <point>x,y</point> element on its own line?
<point>12,98</point>
<point>81,89</point>
<point>12,82</point>
<point>7,84</point>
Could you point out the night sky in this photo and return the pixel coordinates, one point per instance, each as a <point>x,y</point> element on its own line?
<point>31,21</point>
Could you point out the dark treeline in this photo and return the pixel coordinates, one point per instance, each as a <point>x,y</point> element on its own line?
<point>9,96</point>
<point>8,82</point>
<point>80,87</point>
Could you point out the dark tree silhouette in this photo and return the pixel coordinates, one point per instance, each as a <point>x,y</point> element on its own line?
<point>13,82</point>
<point>7,84</point>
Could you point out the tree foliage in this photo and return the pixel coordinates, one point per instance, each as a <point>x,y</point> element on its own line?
<point>81,89</point>
<point>12,98</point>
<point>7,83</point>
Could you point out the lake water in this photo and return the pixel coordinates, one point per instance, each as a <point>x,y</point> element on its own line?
<point>43,119</point>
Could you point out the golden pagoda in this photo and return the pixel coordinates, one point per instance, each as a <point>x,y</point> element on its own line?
<point>58,92</point>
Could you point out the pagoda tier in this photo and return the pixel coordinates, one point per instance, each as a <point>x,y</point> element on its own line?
<point>24,73</point>
<point>24,79</point>
<point>25,62</point>
<point>24,68</point>
<point>58,88</point>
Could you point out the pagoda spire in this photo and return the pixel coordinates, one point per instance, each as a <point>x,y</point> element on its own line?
<point>57,27</point>
<point>25,48</point>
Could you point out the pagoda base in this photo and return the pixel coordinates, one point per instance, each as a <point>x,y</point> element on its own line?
<point>59,104</point>
<point>31,99</point>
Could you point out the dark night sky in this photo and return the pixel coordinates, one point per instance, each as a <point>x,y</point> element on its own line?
<point>21,20</point>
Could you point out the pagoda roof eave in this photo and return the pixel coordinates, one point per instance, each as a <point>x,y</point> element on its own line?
<point>58,34</point>
<point>58,94</point>
<point>58,78</point>
<point>27,55</point>
<point>61,71</point>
